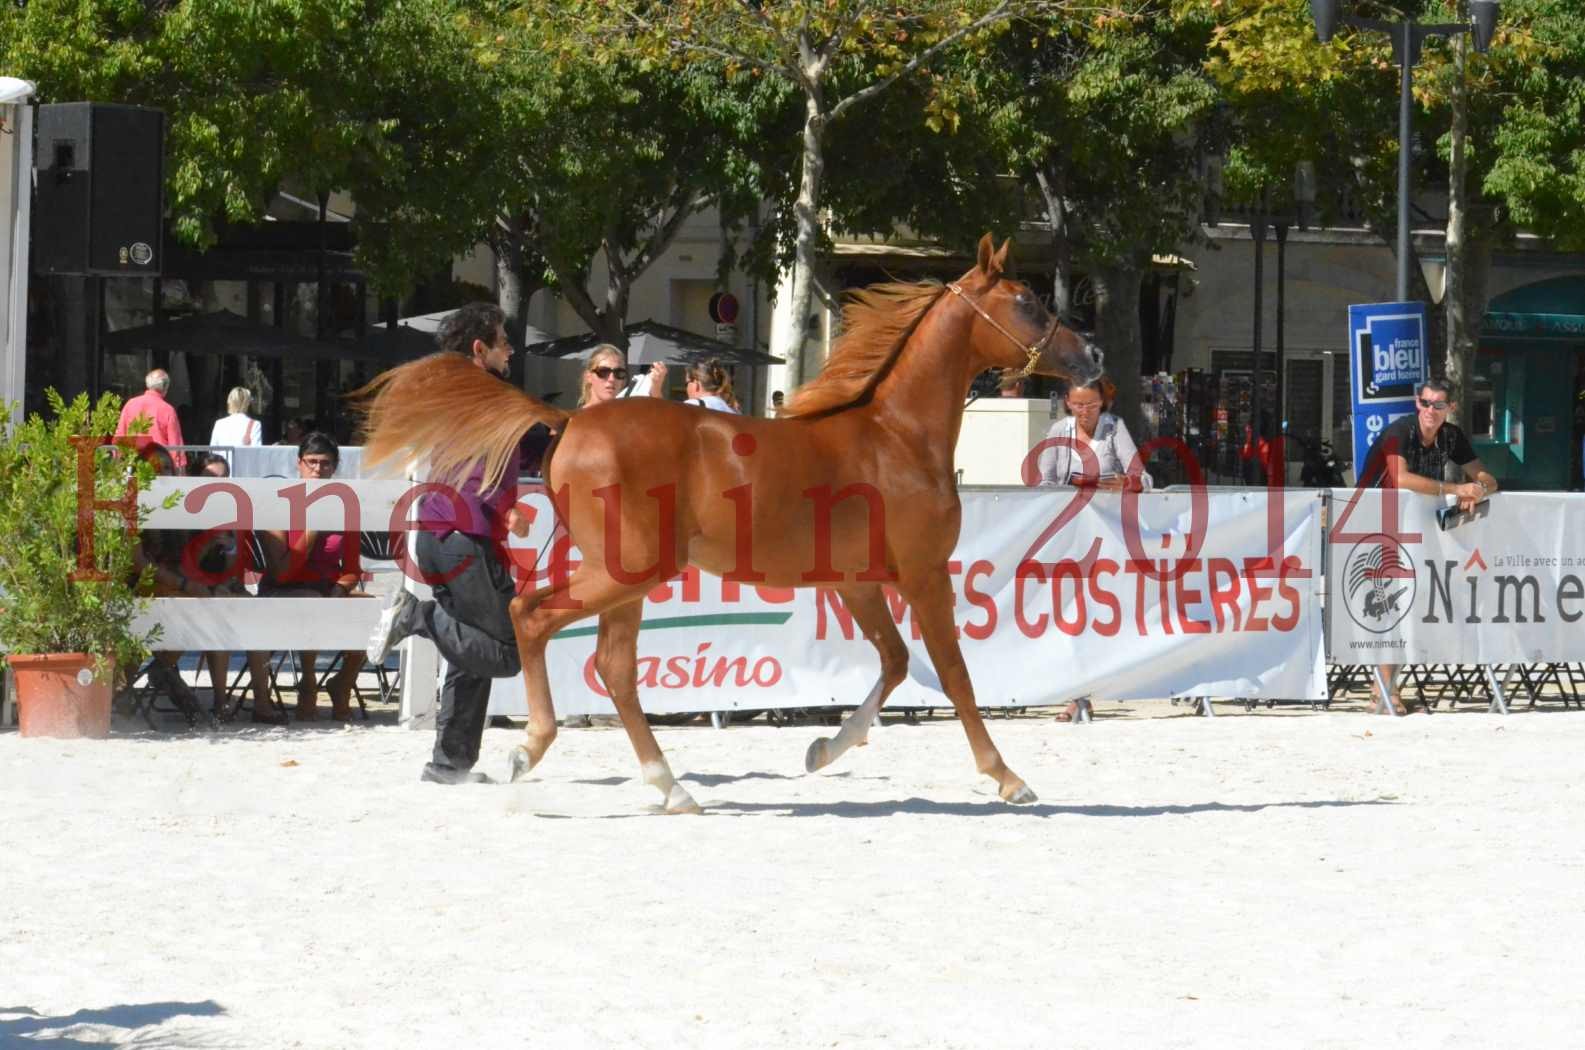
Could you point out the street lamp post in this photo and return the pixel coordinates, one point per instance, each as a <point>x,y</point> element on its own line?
<point>1280,222</point>
<point>1257,371</point>
<point>1407,36</point>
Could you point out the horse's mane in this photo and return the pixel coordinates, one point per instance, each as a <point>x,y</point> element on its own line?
<point>876,322</point>
<point>457,415</point>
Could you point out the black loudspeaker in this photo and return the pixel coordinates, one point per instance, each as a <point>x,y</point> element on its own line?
<point>99,207</point>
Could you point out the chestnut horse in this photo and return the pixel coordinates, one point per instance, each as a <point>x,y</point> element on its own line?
<point>852,488</point>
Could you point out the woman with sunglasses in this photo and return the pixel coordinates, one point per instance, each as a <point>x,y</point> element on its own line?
<point>605,379</point>
<point>606,376</point>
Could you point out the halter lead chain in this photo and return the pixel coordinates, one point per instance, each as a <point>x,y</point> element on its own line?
<point>1032,350</point>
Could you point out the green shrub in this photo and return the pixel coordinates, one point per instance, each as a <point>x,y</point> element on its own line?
<point>43,608</point>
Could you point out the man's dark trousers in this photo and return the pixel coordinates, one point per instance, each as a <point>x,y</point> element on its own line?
<point>471,625</point>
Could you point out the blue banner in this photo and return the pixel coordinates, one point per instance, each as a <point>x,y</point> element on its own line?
<point>1387,361</point>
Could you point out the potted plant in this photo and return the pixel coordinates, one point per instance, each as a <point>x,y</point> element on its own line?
<point>66,626</point>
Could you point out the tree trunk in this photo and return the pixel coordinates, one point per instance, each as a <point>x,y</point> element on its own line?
<point>512,292</point>
<point>1117,330</point>
<point>788,341</point>
<point>626,262</point>
<point>511,297</point>
<point>602,321</point>
<point>1468,249</point>
<point>1061,246</point>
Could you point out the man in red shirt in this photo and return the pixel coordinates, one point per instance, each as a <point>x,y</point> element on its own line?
<point>164,427</point>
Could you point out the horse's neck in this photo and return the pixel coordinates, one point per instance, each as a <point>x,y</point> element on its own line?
<point>922,398</point>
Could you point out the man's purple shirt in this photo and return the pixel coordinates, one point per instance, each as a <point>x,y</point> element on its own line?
<point>467,509</point>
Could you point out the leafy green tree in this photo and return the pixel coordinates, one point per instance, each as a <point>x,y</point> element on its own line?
<point>625,157</point>
<point>834,55</point>
<point>1513,148</point>
<point>1102,123</point>
<point>567,165</point>
<point>1515,152</point>
<point>251,92</point>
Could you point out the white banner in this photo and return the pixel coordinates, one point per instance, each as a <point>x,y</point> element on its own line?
<point>1047,610</point>
<point>1504,587</point>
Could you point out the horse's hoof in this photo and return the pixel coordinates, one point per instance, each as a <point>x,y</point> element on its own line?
<point>818,756</point>
<point>1018,794</point>
<point>679,801</point>
<point>522,762</point>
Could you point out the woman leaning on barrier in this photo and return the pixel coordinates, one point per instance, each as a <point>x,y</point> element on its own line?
<point>1111,465</point>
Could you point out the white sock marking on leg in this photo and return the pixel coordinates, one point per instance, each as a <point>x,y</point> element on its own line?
<point>856,726</point>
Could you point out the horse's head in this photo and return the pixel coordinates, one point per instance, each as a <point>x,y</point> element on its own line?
<point>1017,332</point>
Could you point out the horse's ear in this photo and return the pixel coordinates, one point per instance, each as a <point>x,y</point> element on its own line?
<point>987,249</point>
<point>999,260</point>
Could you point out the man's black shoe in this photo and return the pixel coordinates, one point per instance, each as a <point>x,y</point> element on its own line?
<point>447,775</point>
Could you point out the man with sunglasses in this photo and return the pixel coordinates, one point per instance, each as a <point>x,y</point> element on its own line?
<point>1425,453</point>
<point>458,547</point>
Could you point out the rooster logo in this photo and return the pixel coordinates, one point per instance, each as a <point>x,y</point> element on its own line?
<point>1380,583</point>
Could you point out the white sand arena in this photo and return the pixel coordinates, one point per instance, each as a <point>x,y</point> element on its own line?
<point>1267,880</point>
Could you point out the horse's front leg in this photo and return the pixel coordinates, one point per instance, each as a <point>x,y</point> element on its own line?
<point>528,622</point>
<point>930,594</point>
<point>868,606</point>
<point>616,658</point>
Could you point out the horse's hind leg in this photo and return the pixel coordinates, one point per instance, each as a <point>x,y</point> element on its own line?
<point>868,606</point>
<point>616,658</point>
<point>535,618</point>
<point>930,594</point>
<point>531,643</point>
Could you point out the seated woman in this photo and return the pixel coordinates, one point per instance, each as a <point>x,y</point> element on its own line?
<point>181,572</point>
<point>1113,462</point>
<point>315,564</point>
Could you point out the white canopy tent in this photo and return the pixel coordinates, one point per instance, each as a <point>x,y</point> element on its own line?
<point>16,200</point>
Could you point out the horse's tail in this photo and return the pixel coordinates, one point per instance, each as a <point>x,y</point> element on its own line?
<point>447,409</point>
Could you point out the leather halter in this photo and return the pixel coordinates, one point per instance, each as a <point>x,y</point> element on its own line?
<point>1033,350</point>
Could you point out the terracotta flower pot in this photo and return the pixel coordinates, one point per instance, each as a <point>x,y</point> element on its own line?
<point>60,694</point>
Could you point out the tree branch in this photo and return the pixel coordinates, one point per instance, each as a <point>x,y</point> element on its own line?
<point>728,55</point>
<point>996,14</point>
<point>571,283</point>
<point>684,203</point>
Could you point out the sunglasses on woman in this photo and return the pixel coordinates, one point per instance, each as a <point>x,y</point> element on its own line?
<point>605,372</point>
